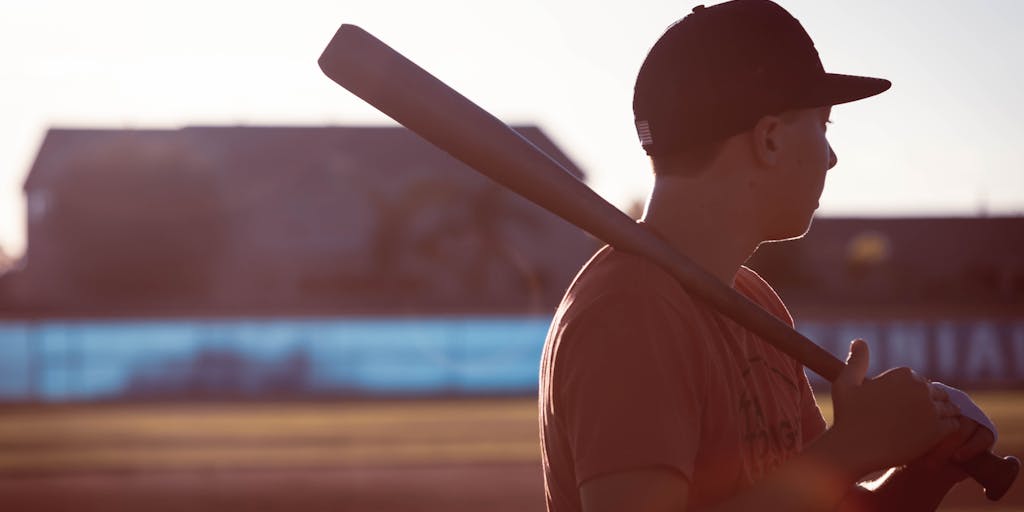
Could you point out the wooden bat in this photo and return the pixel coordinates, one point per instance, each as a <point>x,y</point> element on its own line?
<point>408,94</point>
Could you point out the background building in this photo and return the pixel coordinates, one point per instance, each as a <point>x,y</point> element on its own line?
<point>932,263</point>
<point>247,262</point>
<point>273,261</point>
<point>944,296</point>
<point>281,221</point>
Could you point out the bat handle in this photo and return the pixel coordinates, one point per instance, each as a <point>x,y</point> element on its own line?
<point>995,474</point>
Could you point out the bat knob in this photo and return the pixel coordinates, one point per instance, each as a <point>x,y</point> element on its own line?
<point>999,476</point>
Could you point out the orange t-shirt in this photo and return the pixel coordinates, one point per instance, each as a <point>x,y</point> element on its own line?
<point>637,373</point>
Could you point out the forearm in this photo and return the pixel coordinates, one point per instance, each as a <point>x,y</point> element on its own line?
<point>819,479</point>
<point>913,489</point>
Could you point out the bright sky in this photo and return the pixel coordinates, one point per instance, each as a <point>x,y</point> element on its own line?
<point>943,140</point>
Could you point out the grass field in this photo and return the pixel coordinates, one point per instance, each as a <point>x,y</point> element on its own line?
<point>381,456</point>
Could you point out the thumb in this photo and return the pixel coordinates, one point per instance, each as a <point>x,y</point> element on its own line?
<point>856,366</point>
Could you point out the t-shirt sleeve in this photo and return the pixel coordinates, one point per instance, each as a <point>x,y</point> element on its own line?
<point>631,391</point>
<point>812,423</point>
<point>752,285</point>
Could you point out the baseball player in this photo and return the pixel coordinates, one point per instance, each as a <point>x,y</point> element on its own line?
<point>652,401</point>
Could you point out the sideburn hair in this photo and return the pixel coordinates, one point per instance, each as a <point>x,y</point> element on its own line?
<point>693,159</point>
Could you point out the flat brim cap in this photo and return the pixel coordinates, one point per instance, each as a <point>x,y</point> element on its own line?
<point>718,70</point>
<point>836,89</point>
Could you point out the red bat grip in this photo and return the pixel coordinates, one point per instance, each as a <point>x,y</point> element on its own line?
<point>408,94</point>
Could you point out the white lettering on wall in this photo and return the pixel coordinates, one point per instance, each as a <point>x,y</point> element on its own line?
<point>1017,343</point>
<point>945,348</point>
<point>975,352</point>
<point>907,345</point>
<point>984,355</point>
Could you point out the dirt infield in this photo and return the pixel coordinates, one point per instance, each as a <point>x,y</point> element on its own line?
<point>353,456</point>
<point>452,488</point>
<point>495,487</point>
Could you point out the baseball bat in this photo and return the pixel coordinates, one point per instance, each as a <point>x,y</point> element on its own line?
<point>396,86</point>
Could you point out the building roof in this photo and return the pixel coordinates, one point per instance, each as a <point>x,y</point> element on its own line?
<point>924,260</point>
<point>260,150</point>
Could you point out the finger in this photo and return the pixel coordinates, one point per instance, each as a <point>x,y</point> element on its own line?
<point>949,425</point>
<point>937,393</point>
<point>980,440</point>
<point>857,363</point>
<point>967,428</point>
<point>944,449</point>
<point>946,443</point>
<point>918,377</point>
<point>946,409</point>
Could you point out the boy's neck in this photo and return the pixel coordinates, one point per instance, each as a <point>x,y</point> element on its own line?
<point>711,227</point>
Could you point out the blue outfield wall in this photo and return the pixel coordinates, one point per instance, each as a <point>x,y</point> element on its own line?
<point>95,360</point>
<point>81,360</point>
<point>971,352</point>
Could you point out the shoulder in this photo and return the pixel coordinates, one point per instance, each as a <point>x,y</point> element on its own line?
<point>618,278</point>
<point>622,305</point>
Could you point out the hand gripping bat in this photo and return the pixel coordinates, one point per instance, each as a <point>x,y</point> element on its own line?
<point>408,94</point>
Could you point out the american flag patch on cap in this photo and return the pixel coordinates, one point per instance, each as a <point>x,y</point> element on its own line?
<point>643,129</point>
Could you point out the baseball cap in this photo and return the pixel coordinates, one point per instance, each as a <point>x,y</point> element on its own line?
<point>718,70</point>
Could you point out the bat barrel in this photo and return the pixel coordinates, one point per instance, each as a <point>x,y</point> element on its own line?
<point>410,95</point>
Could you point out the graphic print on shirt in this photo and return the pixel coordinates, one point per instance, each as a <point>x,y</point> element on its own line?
<point>767,443</point>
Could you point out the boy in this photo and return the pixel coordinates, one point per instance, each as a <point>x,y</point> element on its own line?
<point>650,400</point>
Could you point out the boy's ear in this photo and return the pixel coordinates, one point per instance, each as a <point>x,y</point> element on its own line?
<point>766,139</point>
